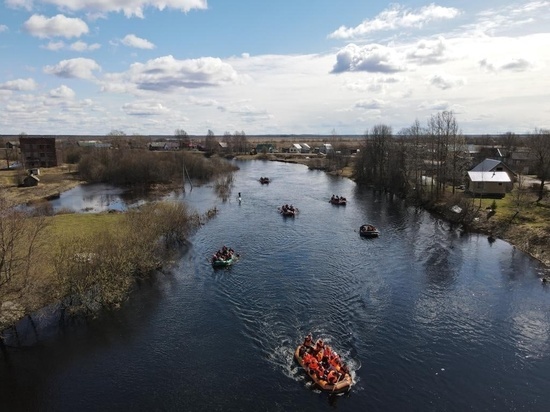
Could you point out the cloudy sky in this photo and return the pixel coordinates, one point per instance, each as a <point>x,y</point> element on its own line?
<point>271,67</point>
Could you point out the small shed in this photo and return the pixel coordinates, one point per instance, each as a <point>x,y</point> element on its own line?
<point>30,180</point>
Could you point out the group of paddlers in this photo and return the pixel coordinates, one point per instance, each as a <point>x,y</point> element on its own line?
<point>288,209</point>
<point>264,179</point>
<point>223,254</point>
<point>338,199</point>
<point>321,360</point>
<point>368,228</point>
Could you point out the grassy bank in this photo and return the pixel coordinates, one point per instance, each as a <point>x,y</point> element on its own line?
<point>92,258</point>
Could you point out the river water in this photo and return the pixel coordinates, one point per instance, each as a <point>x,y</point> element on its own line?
<point>429,319</point>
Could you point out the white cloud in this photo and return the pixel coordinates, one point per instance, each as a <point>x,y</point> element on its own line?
<point>128,7</point>
<point>429,51</point>
<point>20,4</point>
<point>74,68</point>
<point>166,74</point>
<point>57,26</point>
<point>132,40</point>
<point>372,104</point>
<point>3,28</point>
<point>445,82</point>
<point>438,105</point>
<point>54,45</point>
<point>19,85</point>
<point>62,92</point>
<point>144,108</point>
<point>81,46</point>
<point>515,65</point>
<point>397,17</point>
<point>371,58</point>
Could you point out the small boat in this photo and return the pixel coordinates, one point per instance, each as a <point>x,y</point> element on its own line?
<point>288,211</point>
<point>223,258</point>
<point>264,180</point>
<point>338,200</point>
<point>368,231</point>
<point>343,382</point>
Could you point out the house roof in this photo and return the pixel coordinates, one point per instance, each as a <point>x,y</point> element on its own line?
<point>297,146</point>
<point>491,164</point>
<point>495,177</point>
<point>486,165</point>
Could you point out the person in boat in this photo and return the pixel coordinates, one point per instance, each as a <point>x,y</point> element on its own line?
<point>308,341</point>
<point>332,377</point>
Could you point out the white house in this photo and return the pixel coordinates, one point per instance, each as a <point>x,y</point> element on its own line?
<point>488,183</point>
<point>326,148</point>
<point>295,148</point>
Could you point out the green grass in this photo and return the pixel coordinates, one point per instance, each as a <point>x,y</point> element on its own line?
<point>74,224</point>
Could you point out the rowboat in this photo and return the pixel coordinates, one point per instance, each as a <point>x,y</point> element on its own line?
<point>368,231</point>
<point>343,383</point>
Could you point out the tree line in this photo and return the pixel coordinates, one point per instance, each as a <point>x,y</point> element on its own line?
<point>426,163</point>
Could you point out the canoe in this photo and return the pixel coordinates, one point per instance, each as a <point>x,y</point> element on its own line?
<point>368,231</point>
<point>343,385</point>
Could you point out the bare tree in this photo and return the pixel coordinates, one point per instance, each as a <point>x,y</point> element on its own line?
<point>447,146</point>
<point>539,144</point>
<point>371,165</point>
<point>210,141</point>
<point>415,138</point>
<point>183,137</point>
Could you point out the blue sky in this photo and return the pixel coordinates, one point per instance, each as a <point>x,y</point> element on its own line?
<point>282,67</point>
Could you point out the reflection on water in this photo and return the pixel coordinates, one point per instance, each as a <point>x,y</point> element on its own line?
<point>428,318</point>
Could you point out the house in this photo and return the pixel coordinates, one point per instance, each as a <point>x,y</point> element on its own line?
<point>94,144</point>
<point>265,148</point>
<point>490,178</point>
<point>326,148</point>
<point>521,159</point>
<point>492,184</point>
<point>39,151</point>
<point>295,148</point>
<point>305,148</point>
<point>163,146</point>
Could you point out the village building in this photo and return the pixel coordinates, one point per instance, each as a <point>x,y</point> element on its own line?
<point>39,151</point>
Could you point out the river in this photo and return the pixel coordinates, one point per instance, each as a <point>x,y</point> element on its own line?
<point>428,318</point>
